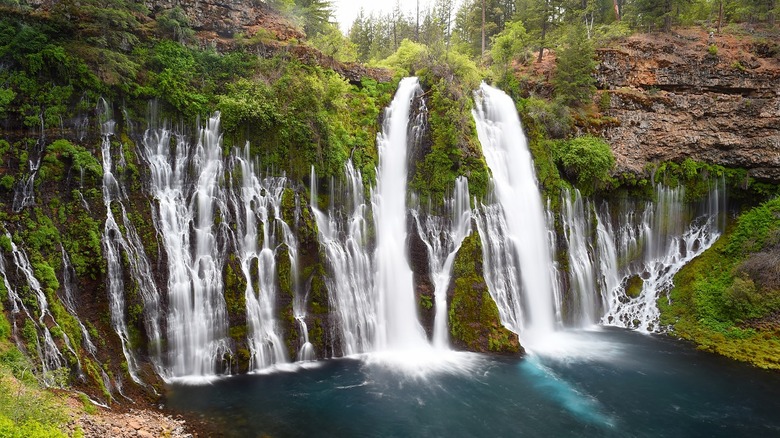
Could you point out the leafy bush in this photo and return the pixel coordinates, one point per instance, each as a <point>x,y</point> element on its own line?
<point>587,160</point>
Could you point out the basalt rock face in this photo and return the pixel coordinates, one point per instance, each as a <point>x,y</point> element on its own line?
<point>225,17</point>
<point>673,97</point>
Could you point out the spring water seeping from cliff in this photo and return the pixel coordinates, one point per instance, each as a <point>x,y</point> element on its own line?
<point>194,245</point>
<point>343,234</point>
<point>649,249</point>
<point>115,243</point>
<point>257,202</point>
<point>442,236</point>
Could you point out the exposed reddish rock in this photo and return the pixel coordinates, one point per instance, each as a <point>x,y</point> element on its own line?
<point>674,98</point>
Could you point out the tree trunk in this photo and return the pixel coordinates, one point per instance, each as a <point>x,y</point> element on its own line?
<point>668,16</point>
<point>483,27</point>
<point>417,28</point>
<point>544,31</point>
<point>617,10</point>
<point>720,15</point>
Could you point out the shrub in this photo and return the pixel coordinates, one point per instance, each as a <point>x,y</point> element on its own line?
<point>587,160</point>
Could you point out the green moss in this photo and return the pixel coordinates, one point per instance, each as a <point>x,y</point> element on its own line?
<point>634,286</point>
<point>454,147</point>
<point>235,287</point>
<point>473,316</point>
<point>426,302</point>
<point>586,160</point>
<point>5,325</point>
<point>719,305</point>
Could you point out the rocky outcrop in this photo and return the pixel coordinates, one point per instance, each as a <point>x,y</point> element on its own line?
<point>474,321</point>
<point>688,95</point>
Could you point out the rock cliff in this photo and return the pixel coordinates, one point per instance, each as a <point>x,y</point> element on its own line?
<point>713,98</point>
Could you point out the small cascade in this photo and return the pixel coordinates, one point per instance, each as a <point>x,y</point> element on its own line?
<point>67,298</point>
<point>306,352</point>
<point>49,353</point>
<point>654,249</point>
<point>115,242</point>
<point>398,325</point>
<point>343,235</point>
<point>577,226</point>
<point>501,266</point>
<point>442,237</point>
<point>185,185</point>
<point>69,288</point>
<point>258,202</point>
<point>24,192</point>
<point>512,227</point>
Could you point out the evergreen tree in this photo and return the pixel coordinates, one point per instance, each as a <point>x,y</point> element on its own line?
<point>573,80</point>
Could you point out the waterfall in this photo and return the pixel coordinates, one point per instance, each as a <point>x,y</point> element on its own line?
<point>516,252</point>
<point>577,226</point>
<point>49,354</point>
<point>442,237</point>
<point>115,242</point>
<point>185,184</point>
<point>259,206</point>
<point>654,248</point>
<point>343,235</point>
<point>399,327</point>
<point>371,293</point>
<point>24,192</point>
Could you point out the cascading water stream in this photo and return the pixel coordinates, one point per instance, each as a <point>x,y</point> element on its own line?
<point>194,244</point>
<point>372,294</point>
<point>24,193</point>
<point>664,245</point>
<point>50,355</point>
<point>259,206</point>
<point>399,327</point>
<point>513,230</point>
<point>343,236</point>
<point>442,237</point>
<point>576,218</point>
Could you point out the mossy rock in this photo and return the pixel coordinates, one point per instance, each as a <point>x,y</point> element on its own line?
<point>634,286</point>
<point>475,324</point>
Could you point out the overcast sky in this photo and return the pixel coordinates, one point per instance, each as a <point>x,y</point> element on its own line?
<point>346,11</point>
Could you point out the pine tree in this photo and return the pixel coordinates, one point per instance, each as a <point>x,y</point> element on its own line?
<point>573,80</point>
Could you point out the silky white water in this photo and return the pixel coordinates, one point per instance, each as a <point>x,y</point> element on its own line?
<point>516,252</point>
<point>343,235</point>
<point>442,236</point>
<point>258,203</point>
<point>115,242</point>
<point>399,327</point>
<point>185,216</point>
<point>668,236</point>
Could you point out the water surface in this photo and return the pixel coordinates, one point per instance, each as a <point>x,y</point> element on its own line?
<point>608,382</point>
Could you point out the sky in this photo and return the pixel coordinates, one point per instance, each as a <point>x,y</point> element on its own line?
<point>347,10</point>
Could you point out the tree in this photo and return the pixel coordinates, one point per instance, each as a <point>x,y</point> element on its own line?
<point>315,15</point>
<point>468,22</point>
<point>510,44</point>
<point>573,80</point>
<point>332,43</point>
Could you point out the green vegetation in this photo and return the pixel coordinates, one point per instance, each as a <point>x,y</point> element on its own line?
<point>586,160</point>
<point>25,409</point>
<point>727,300</point>
<point>473,316</point>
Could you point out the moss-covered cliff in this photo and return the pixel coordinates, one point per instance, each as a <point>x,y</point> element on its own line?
<point>474,321</point>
